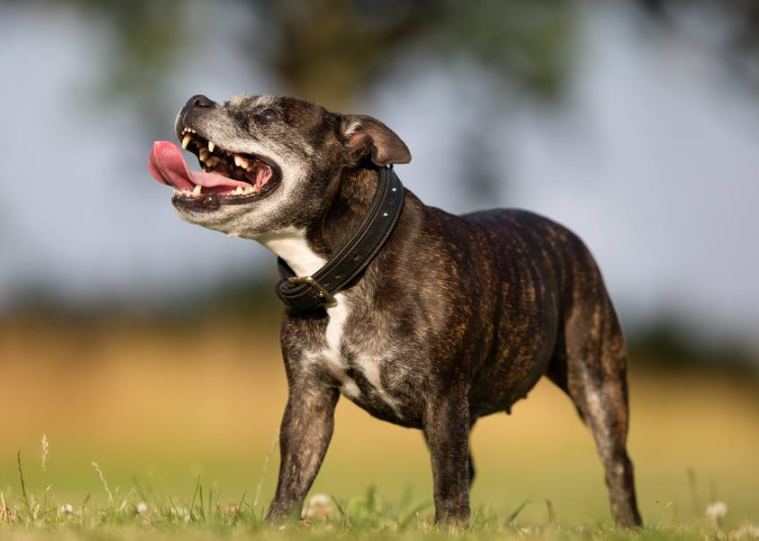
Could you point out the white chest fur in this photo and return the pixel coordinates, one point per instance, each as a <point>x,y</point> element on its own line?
<point>291,245</point>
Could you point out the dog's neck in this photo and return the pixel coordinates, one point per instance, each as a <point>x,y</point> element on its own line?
<point>345,210</point>
<point>307,250</point>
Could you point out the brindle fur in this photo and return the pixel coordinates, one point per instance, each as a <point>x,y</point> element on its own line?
<point>461,315</point>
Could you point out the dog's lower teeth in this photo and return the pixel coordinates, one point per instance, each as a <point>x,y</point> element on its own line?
<point>241,162</point>
<point>204,155</point>
<point>238,190</point>
<point>198,188</point>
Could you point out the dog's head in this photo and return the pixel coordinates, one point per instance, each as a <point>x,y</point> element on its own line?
<point>268,163</point>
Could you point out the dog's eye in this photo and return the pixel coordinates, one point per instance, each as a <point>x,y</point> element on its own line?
<point>269,115</point>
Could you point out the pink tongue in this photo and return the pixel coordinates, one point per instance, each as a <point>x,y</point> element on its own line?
<point>167,166</point>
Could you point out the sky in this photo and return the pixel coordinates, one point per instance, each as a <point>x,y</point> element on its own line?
<point>652,158</point>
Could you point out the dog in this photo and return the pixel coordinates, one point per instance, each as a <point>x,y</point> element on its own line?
<point>451,318</point>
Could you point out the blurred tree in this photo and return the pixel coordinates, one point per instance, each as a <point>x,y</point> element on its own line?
<point>739,39</point>
<point>332,50</point>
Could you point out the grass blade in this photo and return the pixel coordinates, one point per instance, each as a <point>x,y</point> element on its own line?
<point>512,517</point>
<point>23,484</point>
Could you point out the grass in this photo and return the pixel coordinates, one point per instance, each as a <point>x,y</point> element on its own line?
<point>181,428</point>
<point>141,514</point>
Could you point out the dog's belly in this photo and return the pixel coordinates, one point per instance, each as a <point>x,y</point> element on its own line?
<point>499,385</point>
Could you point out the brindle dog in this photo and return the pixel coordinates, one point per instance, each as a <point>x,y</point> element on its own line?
<point>456,318</point>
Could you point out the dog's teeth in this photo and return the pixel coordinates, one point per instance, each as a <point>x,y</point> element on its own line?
<point>204,155</point>
<point>241,162</point>
<point>186,141</point>
<point>198,188</point>
<point>238,190</point>
<point>211,145</point>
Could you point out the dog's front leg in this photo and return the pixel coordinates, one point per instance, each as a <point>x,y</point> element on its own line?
<point>303,440</point>
<point>446,429</point>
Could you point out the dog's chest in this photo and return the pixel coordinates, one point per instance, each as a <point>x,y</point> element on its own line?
<point>359,364</point>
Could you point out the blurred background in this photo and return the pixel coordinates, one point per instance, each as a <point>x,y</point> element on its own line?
<point>149,345</point>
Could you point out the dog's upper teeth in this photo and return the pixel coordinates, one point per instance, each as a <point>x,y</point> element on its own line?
<point>211,145</point>
<point>198,188</point>
<point>241,162</point>
<point>186,141</point>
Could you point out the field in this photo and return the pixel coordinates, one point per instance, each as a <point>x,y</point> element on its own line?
<point>181,422</point>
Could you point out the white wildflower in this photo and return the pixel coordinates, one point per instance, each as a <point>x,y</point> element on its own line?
<point>142,508</point>
<point>66,509</point>
<point>716,511</point>
<point>319,506</point>
<point>181,513</point>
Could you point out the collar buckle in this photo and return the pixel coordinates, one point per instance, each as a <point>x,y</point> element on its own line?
<point>328,300</point>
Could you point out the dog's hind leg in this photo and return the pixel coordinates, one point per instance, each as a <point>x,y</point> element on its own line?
<point>471,468</point>
<point>595,377</point>
<point>470,460</point>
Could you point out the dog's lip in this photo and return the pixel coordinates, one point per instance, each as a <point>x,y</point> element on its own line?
<point>212,201</point>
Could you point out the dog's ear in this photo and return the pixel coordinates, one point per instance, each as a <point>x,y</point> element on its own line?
<point>363,135</point>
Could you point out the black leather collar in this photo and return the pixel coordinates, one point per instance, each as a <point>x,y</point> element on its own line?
<point>318,290</point>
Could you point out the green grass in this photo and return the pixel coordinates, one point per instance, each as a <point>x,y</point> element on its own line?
<point>142,514</point>
<point>139,515</point>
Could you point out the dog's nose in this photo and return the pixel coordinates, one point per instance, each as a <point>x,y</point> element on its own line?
<point>199,100</point>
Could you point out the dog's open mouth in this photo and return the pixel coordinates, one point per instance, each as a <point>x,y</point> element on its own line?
<point>225,177</point>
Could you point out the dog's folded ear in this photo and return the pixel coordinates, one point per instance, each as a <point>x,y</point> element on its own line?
<point>363,135</point>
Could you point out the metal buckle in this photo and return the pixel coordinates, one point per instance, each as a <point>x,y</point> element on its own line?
<point>327,298</point>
